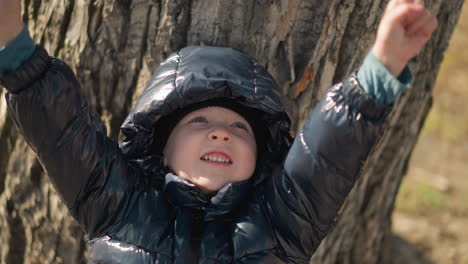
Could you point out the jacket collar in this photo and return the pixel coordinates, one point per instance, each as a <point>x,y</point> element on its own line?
<point>183,193</point>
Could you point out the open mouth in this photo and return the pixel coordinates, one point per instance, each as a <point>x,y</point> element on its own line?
<point>217,157</point>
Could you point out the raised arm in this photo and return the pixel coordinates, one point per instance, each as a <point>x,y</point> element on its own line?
<point>329,152</point>
<point>44,101</point>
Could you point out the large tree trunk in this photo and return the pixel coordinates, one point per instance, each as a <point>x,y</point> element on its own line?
<point>307,45</point>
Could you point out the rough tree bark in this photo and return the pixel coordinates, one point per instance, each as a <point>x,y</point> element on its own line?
<point>113,46</point>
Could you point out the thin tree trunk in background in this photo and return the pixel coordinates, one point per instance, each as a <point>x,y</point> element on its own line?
<point>113,46</point>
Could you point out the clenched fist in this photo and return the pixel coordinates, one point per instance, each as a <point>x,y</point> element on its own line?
<point>405,28</point>
<point>10,20</point>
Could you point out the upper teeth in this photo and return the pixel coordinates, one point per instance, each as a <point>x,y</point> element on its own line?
<point>216,158</point>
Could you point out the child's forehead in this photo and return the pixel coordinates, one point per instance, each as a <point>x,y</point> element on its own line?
<point>215,111</point>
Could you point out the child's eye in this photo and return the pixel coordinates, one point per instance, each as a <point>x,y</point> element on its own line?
<point>199,119</point>
<point>240,125</point>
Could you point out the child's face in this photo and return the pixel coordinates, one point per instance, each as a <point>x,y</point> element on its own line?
<point>212,147</point>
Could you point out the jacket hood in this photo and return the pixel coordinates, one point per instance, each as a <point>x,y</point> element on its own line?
<point>200,73</point>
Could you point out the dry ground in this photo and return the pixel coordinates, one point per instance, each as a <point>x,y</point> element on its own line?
<point>432,207</point>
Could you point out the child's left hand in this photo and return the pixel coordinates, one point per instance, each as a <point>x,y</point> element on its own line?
<point>405,28</point>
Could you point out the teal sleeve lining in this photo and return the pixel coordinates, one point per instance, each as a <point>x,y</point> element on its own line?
<point>379,83</point>
<point>15,53</point>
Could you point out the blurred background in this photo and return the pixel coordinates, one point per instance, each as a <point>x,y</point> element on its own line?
<point>432,204</point>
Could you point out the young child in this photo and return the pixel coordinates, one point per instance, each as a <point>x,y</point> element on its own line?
<point>205,171</point>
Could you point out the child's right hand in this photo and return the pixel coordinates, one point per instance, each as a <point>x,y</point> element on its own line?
<point>10,20</point>
<point>405,28</point>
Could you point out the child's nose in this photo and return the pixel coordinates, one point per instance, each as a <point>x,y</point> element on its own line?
<point>220,133</point>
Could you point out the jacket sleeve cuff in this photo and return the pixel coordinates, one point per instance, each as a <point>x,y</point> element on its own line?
<point>15,53</point>
<point>28,72</point>
<point>379,83</point>
<point>358,98</point>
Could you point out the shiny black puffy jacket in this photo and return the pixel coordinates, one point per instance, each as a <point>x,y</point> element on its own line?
<point>135,211</point>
